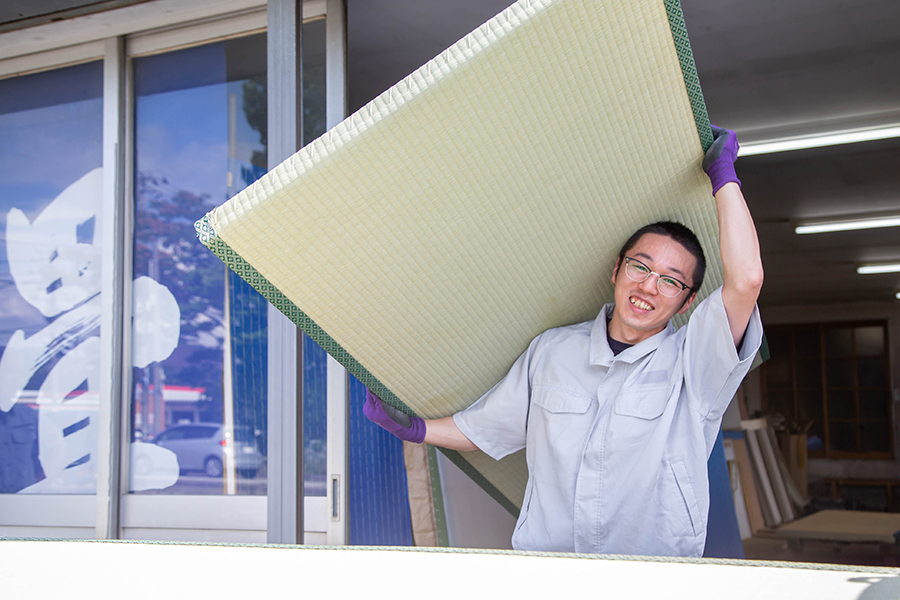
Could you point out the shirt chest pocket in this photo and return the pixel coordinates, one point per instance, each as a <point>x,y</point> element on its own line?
<point>646,402</point>
<point>560,412</point>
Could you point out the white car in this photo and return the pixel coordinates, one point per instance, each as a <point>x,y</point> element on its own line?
<point>205,446</point>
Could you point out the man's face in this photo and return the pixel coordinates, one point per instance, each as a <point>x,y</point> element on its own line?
<point>641,311</point>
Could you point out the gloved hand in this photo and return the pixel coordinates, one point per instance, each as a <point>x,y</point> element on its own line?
<point>719,160</point>
<point>405,427</point>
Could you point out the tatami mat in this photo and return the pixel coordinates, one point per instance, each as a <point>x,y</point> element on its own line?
<point>429,237</point>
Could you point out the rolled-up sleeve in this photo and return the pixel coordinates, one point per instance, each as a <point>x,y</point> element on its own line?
<point>713,367</point>
<point>496,422</point>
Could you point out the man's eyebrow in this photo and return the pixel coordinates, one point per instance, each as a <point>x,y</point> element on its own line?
<point>650,258</point>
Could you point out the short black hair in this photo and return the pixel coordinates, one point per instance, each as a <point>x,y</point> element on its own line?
<point>680,234</point>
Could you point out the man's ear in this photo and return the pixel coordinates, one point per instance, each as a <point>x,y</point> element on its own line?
<point>615,271</point>
<point>687,303</point>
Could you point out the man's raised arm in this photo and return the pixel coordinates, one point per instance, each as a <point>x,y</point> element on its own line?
<point>738,243</point>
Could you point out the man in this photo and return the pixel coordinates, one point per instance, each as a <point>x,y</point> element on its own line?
<point>618,416</point>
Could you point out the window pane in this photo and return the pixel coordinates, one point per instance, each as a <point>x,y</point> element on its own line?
<point>874,404</point>
<point>810,405</point>
<point>869,341</point>
<point>778,373</point>
<point>871,372</point>
<point>806,342</point>
<point>809,373</point>
<point>842,436</point>
<point>840,373</point>
<point>841,404</point>
<point>314,382</point>
<point>313,80</point>
<point>838,341</point>
<point>875,437</point>
<point>199,139</point>
<point>51,132</point>
<point>314,358</point>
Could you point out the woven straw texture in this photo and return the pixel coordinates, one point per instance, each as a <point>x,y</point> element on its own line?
<point>429,237</point>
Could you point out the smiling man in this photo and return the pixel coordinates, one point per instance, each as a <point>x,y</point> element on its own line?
<point>618,415</point>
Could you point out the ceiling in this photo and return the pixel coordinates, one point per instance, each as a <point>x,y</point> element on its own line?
<point>769,69</point>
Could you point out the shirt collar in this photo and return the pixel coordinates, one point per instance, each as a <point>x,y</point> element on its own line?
<point>601,354</point>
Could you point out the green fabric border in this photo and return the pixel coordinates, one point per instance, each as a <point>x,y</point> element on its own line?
<point>437,494</point>
<point>233,260</point>
<point>689,71</point>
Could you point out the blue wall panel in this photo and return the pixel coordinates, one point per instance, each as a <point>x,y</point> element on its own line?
<point>379,504</point>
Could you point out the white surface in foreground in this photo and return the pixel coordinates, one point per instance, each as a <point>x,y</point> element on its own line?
<point>96,570</point>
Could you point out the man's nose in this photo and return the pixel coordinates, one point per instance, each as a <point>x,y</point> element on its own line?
<point>650,285</point>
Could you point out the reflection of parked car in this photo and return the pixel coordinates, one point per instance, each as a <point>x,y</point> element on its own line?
<point>203,447</point>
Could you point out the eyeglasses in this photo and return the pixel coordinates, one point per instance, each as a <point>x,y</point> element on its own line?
<point>666,284</point>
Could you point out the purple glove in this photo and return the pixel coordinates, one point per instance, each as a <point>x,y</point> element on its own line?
<point>405,427</point>
<point>719,160</point>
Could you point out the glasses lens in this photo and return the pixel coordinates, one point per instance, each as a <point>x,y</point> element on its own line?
<point>636,271</point>
<point>669,287</point>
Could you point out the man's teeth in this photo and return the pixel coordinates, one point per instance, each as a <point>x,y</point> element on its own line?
<point>641,304</point>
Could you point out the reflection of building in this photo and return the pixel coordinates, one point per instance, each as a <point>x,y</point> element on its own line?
<point>180,405</point>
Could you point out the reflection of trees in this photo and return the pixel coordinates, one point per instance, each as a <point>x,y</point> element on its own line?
<point>166,249</point>
<point>254,92</point>
<point>249,342</point>
<point>255,111</point>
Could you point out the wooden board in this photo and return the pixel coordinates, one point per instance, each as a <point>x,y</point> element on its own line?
<point>844,526</point>
<point>751,495</point>
<point>770,507</point>
<point>772,468</point>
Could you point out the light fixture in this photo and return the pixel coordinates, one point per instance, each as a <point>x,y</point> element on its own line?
<point>820,140</point>
<point>898,295</point>
<point>848,223</point>
<point>875,269</point>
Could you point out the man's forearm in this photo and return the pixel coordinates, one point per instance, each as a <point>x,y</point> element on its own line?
<point>739,247</point>
<point>444,433</point>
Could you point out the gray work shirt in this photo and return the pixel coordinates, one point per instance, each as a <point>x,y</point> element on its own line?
<point>616,446</point>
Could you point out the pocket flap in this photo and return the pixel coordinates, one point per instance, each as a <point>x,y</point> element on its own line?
<point>561,401</point>
<point>643,403</point>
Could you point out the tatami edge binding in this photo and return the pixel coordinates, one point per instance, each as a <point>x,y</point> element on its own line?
<point>689,70</point>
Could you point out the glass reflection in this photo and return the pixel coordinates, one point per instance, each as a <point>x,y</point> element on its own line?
<point>199,416</point>
<point>198,411</point>
<point>50,255</point>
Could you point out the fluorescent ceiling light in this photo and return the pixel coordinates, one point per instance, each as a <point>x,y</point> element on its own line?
<point>875,269</point>
<point>818,141</point>
<point>847,223</point>
<point>898,295</point>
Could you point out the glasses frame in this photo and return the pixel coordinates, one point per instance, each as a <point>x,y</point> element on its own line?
<point>629,260</point>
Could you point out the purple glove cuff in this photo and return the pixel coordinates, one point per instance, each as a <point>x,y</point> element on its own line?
<point>387,418</point>
<point>720,173</point>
